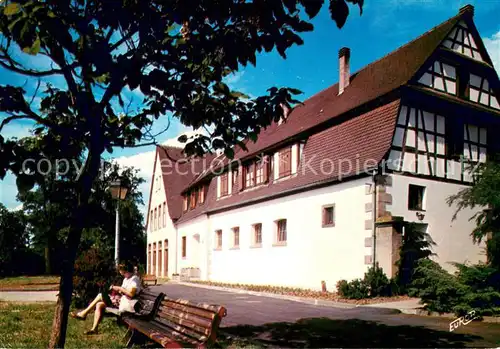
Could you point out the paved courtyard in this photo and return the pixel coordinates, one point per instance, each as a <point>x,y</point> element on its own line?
<point>245,309</point>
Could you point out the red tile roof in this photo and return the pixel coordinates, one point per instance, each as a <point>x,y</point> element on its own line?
<point>363,137</point>
<point>362,141</point>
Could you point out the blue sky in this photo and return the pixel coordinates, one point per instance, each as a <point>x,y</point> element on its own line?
<point>384,26</point>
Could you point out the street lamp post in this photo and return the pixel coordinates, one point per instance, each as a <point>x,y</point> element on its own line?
<point>119,192</point>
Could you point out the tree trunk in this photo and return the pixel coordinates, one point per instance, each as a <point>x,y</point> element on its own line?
<point>60,322</point>
<point>48,269</point>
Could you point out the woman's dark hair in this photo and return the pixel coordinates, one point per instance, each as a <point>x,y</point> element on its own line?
<point>126,266</point>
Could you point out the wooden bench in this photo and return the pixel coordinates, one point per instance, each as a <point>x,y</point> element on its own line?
<point>145,297</point>
<point>178,323</point>
<point>150,279</point>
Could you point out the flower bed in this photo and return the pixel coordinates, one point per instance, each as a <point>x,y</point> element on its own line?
<point>300,292</point>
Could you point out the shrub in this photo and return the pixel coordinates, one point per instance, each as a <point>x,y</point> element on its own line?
<point>356,289</point>
<point>475,287</point>
<point>377,282</point>
<point>374,284</point>
<point>94,273</point>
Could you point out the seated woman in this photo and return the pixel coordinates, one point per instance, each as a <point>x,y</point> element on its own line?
<point>121,297</point>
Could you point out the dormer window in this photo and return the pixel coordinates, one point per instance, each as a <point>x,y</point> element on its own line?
<point>481,92</point>
<point>462,41</point>
<point>285,162</point>
<point>257,172</point>
<point>193,199</point>
<point>185,204</point>
<point>201,194</point>
<point>442,77</point>
<point>224,185</point>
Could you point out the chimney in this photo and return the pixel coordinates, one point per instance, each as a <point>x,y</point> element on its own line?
<point>344,69</point>
<point>467,9</point>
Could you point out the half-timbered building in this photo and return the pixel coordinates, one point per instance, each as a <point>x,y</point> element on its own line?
<point>324,193</point>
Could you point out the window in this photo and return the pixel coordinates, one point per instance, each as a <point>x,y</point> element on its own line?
<point>150,260</point>
<point>224,187</point>
<point>201,195</point>
<point>462,41</point>
<point>474,143</point>
<point>416,197</point>
<point>281,231</point>
<point>441,76</point>
<point>185,203</point>
<point>285,162</point>
<point>193,198</point>
<point>236,237</point>
<point>328,216</point>
<point>164,214</point>
<point>160,216</point>
<point>235,177</point>
<point>218,239</point>
<point>260,167</point>
<point>481,92</point>
<point>249,175</point>
<point>156,219</point>
<point>151,227</point>
<point>184,247</point>
<point>257,234</point>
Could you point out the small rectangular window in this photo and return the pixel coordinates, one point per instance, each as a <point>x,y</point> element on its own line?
<point>218,239</point>
<point>164,214</point>
<point>416,197</point>
<point>156,219</point>
<point>328,216</point>
<point>193,198</point>
<point>236,237</point>
<point>184,247</point>
<point>201,194</point>
<point>281,231</point>
<point>257,234</point>
<point>285,162</point>
<point>224,185</point>
<point>185,204</point>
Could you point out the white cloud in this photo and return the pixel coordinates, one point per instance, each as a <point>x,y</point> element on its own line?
<point>493,46</point>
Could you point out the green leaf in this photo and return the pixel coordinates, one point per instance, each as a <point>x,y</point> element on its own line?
<point>34,49</point>
<point>294,91</point>
<point>229,152</point>
<point>12,9</point>
<point>25,183</point>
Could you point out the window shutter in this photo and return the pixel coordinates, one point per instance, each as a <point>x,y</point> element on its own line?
<point>266,168</point>
<point>241,173</point>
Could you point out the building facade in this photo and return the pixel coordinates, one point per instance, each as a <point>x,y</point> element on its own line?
<point>324,193</point>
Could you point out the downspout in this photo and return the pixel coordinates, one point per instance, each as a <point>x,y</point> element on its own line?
<point>374,216</point>
<point>176,249</point>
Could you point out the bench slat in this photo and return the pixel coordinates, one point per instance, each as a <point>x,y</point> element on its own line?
<point>187,309</point>
<point>154,330</point>
<point>202,306</point>
<point>197,320</point>
<point>200,337</point>
<point>192,329</point>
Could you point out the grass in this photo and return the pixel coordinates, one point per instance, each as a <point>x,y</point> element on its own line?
<point>29,282</point>
<point>29,325</point>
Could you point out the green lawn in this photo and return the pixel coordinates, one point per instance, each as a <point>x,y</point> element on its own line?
<point>28,326</point>
<point>29,280</point>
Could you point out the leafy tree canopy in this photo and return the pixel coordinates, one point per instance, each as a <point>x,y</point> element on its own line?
<point>176,52</point>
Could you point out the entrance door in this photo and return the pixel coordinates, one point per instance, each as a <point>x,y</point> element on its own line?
<point>160,254</point>
<point>154,259</point>
<point>165,258</point>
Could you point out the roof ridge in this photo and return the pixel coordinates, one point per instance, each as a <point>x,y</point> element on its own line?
<point>390,53</point>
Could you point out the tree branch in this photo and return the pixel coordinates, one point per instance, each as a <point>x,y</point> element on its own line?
<point>135,145</point>
<point>30,72</point>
